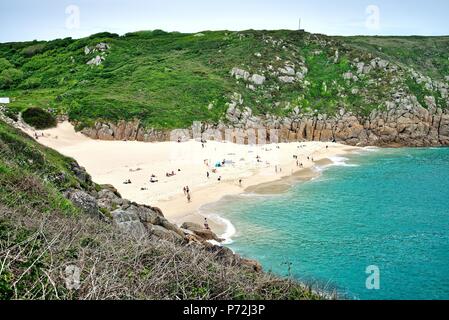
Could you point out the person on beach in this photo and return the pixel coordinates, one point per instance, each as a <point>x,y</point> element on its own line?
<point>189,198</point>
<point>219,179</point>
<point>206,224</point>
<point>208,175</point>
<point>240,182</point>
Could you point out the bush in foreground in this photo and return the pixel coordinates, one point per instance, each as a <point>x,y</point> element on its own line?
<point>39,118</point>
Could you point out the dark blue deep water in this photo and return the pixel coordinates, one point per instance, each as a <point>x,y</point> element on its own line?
<point>388,208</point>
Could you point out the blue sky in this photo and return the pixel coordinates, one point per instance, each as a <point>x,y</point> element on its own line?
<point>47,19</point>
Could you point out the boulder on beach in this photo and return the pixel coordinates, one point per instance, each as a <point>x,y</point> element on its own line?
<point>201,232</point>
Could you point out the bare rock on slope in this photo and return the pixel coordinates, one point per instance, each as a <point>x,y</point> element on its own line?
<point>201,232</point>
<point>129,222</point>
<point>84,201</point>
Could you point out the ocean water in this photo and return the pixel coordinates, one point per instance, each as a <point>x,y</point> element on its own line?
<point>387,208</point>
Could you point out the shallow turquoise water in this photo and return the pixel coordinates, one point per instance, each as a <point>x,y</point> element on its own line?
<point>388,208</point>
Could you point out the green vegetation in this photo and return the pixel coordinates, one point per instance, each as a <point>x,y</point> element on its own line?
<point>428,55</point>
<point>39,118</point>
<point>169,80</point>
<point>41,233</point>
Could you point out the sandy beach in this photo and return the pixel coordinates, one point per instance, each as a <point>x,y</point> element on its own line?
<point>264,169</point>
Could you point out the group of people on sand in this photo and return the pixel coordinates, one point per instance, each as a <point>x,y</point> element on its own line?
<point>171,174</point>
<point>206,224</point>
<point>153,179</point>
<point>187,194</point>
<point>37,136</point>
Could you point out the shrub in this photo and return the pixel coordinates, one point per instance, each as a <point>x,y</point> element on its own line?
<point>31,83</point>
<point>10,77</point>
<point>39,118</point>
<point>12,114</point>
<point>5,64</point>
<point>33,50</point>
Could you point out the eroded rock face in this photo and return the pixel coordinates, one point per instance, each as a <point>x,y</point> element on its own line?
<point>201,232</point>
<point>84,201</point>
<point>129,222</point>
<point>257,79</point>
<point>227,257</point>
<point>240,74</point>
<point>165,234</point>
<point>98,60</point>
<point>403,123</point>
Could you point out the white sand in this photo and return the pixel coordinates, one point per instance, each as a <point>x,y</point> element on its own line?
<point>113,162</point>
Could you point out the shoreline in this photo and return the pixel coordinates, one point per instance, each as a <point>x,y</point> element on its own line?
<point>263,169</point>
<point>226,229</point>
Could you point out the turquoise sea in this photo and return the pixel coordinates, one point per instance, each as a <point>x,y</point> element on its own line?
<point>386,207</point>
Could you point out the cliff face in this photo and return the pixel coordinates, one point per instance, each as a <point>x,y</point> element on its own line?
<point>407,125</point>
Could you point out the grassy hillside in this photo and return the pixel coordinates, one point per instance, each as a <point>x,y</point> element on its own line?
<point>169,80</point>
<point>41,233</point>
<point>428,55</point>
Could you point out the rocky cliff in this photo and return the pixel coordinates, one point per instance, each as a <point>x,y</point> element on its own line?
<point>140,222</point>
<point>403,123</point>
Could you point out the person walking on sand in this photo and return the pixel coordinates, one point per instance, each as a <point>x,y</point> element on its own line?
<point>208,175</point>
<point>240,182</point>
<point>189,198</point>
<point>185,190</point>
<point>206,224</point>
